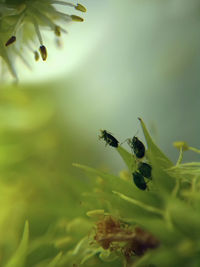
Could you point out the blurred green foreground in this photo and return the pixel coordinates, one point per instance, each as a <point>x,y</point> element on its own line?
<point>38,182</point>
<point>52,215</point>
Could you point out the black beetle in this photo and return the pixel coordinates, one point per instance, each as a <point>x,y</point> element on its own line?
<point>110,140</point>
<point>138,147</point>
<point>145,169</point>
<point>139,181</point>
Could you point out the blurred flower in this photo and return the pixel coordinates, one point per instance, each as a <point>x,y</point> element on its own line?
<point>21,22</point>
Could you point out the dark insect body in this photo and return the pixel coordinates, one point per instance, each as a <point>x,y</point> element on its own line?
<point>139,181</point>
<point>138,147</point>
<point>145,169</point>
<point>43,52</point>
<point>11,40</point>
<point>109,139</point>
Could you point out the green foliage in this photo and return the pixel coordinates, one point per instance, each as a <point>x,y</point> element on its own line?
<point>18,259</point>
<point>100,220</point>
<point>169,209</point>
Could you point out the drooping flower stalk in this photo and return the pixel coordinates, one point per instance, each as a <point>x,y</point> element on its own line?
<point>21,25</point>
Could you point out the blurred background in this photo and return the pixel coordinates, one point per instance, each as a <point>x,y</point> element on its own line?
<point>129,59</point>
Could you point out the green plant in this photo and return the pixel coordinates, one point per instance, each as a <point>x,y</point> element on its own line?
<point>116,223</point>
<point>156,227</point>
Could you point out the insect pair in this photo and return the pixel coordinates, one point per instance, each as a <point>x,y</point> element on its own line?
<point>136,145</point>
<point>144,169</point>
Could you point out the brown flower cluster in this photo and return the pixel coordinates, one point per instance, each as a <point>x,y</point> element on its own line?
<point>117,236</point>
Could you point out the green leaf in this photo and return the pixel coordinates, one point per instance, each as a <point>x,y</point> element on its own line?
<point>185,170</point>
<point>160,164</point>
<point>19,257</point>
<point>114,183</point>
<point>128,158</point>
<point>84,251</point>
<point>185,218</point>
<point>108,256</point>
<point>55,260</point>
<point>154,149</point>
<point>139,203</point>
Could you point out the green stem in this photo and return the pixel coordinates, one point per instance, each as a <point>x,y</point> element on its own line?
<point>168,220</point>
<point>139,204</point>
<point>177,185</point>
<point>194,149</point>
<point>176,188</point>
<point>180,158</point>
